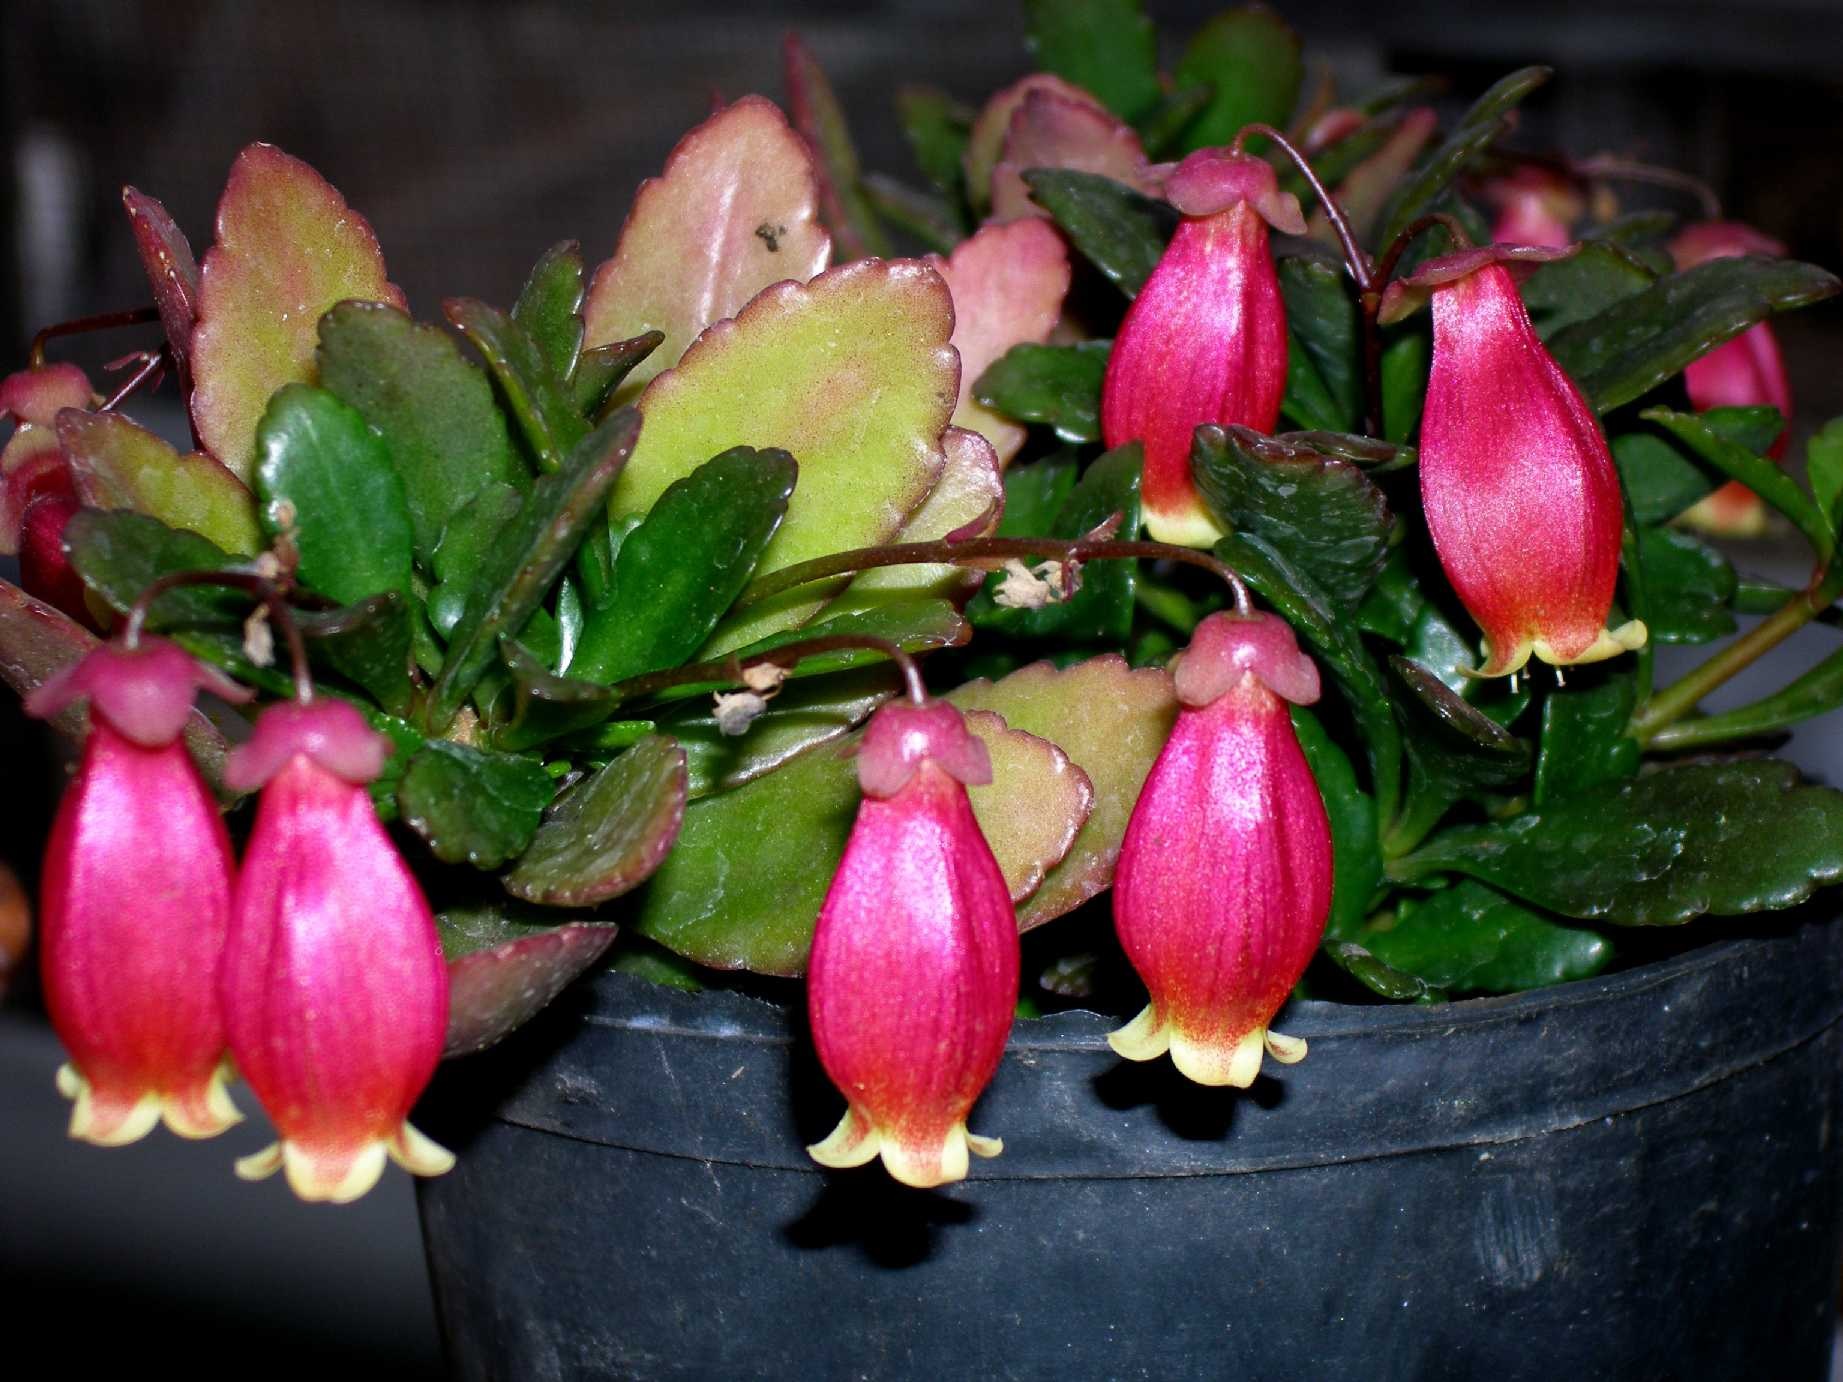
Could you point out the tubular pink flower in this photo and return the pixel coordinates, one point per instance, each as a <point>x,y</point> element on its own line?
<point>1535,206</point>
<point>1516,479</point>
<point>1205,340</point>
<point>913,977</point>
<point>334,993</point>
<point>136,902</point>
<point>1745,372</point>
<point>1224,881</point>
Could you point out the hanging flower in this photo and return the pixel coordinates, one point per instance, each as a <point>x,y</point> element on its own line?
<point>914,971</point>
<point>1535,206</point>
<point>1518,485</point>
<point>1745,372</point>
<point>334,992</point>
<point>1224,881</point>
<point>1205,340</point>
<point>136,902</point>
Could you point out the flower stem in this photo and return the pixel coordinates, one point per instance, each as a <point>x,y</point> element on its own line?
<point>732,667</point>
<point>266,591</point>
<point>1355,259</point>
<point>102,321</point>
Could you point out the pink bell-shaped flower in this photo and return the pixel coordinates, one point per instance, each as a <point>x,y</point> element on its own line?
<point>1205,340</point>
<point>1745,372</point>
<point>1535,206</point>
<point>1224,881</point>
<point>1517,482</point>
<point>334,992</point>
<point>914,971</point>
<point>136,902</point>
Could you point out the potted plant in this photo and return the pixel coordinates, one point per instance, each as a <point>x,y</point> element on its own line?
<point>765,604</point>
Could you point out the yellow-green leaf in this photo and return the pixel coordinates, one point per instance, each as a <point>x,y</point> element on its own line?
<point>118,465</point>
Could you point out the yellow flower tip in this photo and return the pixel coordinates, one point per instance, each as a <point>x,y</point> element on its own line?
<point>260,1165</point>
<point>1189,528</point>
<point>1629,637</point>
<point>336,1175</point>
<point>1144,1038</point>
<point>205,1111</point>
<point>852,1143</point>
<point>106,1122</point>
<point>1285,1049</point>
<point>987,1147</point>
<point>420,1154</point>
<point>923,1165</point>
<point>1218,1063</point>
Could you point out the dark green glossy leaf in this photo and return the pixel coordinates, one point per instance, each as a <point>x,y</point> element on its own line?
<point>1721,838</point>
<point>547,705</point>
<point>1663,477</point>
<point>324,476</point>
<point>609,832</point>
<point>1356,853</point>
<point>1163,127</point>
<point>520,569</point>
<point>1321,514</point>
<point>1059,385</point>
<point>1335,639</point>
<point>467,542</point>
<point>1476,131</point>
<point>639,957</point>
<point>1378,976</point>
<point>1398,609</point>
<point>549,308</point>
<point>1584,740</point>
<point>505,964</point>
<point>1755,471</point>
<point>1688,586</point>
<point>543,406</point>
<point>473,806</point>
<point>804,714</point>
<point>1633,346</point>
<point>682,568</point>
<point>1116,229</point>
<point>1457,749</point>
<point>1471,939</point>
<point>1322,316</point>
<point>1035,494</point>
<point>599,372</point>
<point>1251,62</point>
<point>1404,382</point>
<point>1308,400</point>
<point>1102,610</point>
<point>369,643</point>
<point>937,127</point>
<point>1107,47</point>
<point>443,431</point>
<point>119,554</point>
<point>1597,276</point>
<point>1824,472</point>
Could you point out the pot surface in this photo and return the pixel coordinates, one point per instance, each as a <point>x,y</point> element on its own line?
<point>1628,1177</point>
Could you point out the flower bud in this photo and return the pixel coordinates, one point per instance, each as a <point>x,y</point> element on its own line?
<point>1517,482</point>
<point>1224,881</point>
<point>1205,340</point>
<point>334,992</point>
<point>1745,372</point>
<point>136,902</point>
<point>914,971</point>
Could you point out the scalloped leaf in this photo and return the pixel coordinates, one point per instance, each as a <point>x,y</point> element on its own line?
<point>985,139</point>
<point>471,805</point>
<point>744,885</point>
<point>803,715</point>
<point>970,489</point>
<point>1472,939</point>
<point>288,248</point>
<point>1008,284</point>
<point>1107,47</point>
<point>505,966</point>
<point>735,209</point>
<point>851,374</point>
<point>608,833</point>
<point>1694,838</point>
<point>1250,59</point>
<point>1051,131</point>
<point>117,465</point>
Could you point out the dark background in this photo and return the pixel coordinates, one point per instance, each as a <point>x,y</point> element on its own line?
<point>473,135</point>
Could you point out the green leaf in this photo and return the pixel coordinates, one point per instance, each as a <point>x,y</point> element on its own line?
<point>1322,316</point>
<point>1595,278</point>
<point>369,643</point>
<point>679,571</point>
<point>1058,385</point>
<point>1688,586</point>
<point>1331,637</point>
<point>472,534</point>
<point>805,713</point>
<point>1585,743</point>
<point>1377,976</point>
<point>1721,838</point>
<point>445,435</point>
<point>1356,853</point>
<point>324,476</point>
<point>1162,127</point>
<point>471,805</point>
<point>1102,610</point>
<point>1035,494</point>
<point>1251,61</point>
<point>505,964</point>
<point>1457,749</point>
<point>1824,471</point>
<point>1756,472</point>
<point>1321,514</point>
<point>117,465</point>
<point>1663,478</point>
<point>545,410</point>
<point>937,128</point>
<point>521,568</point>
<point>601,371</point>
<point>1817,692</point>
<point>1476,131</point>
<point>927,217</point>
<point>1399,610</point>
<point>119,554</point>
<point>549,308</point>
<point>1107,47</point>
<point>1633,346</point>
<point>1405,362</point>
<point>1308,400</point>
<point>608,833</point>
<point>546,705</point>
<point>1117,230</point>
<point>1471,939</point>
<point>820,120</point>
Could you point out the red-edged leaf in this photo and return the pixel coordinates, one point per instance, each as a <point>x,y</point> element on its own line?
<point>1050,130</point>
<point>166,254</point>
<point>501,986</point>
<point>986,143</point>
<point>971,491</point>
<point>117,465</point>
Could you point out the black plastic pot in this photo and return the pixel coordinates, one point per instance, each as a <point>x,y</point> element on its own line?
<point>1631,1177</point>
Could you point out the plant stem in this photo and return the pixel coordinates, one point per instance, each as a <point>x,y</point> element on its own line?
<point>267,593</point>
<point>731,668</point>
<point>102,321</point>
<point>1369,305</point>
<point>1812,694</point>
<point>1612,168</point>
<point>152,362</point>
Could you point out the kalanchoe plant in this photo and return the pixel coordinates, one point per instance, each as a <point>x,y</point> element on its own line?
<point>603,604</point>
